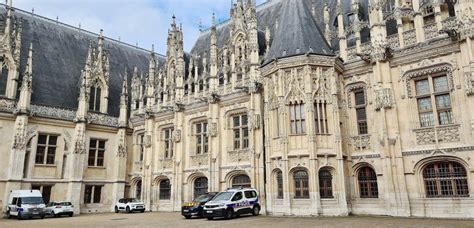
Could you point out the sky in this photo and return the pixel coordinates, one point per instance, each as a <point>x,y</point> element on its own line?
<point>142,22</point>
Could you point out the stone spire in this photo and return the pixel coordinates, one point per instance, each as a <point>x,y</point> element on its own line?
<point>327,30</point>
<point>23,104</point>
<point>213,81</point>
<point>123,119</point>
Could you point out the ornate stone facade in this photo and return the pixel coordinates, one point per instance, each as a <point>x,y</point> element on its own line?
<point>343,117</point>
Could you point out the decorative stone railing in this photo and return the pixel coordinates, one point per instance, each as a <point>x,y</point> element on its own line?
<point>409,37</point>
<point>351,52</point>
<point>393,41</point>
<point>53,112</point>
<point>7,105</point>
<point>440,134</point>
<point>431,31</point>
<point>366,47</point>
<point>361,142</point>
<point>102,119</point>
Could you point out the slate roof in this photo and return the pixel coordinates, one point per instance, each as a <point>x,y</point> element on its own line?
<point>297,28</point>
<point>60,53</point>
<point>298,33</point>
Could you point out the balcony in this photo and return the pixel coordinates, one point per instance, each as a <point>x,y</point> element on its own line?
<point>361,142</point>
<point>393,41</point>
<point>438,134</point>
<point>431,31</point>
<point>409,37</point>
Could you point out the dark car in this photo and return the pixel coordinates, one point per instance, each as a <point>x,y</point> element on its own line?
<point>195,208</point>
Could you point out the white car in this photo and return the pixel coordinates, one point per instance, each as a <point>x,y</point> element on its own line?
<point>129,205</point>
<point>233,202</point>
<point>57,209</point>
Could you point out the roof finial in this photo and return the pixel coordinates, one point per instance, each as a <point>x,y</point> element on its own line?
<point>152,48</point>
<point>213,19</point>
<point>200,25</point>
<point>33,10</point>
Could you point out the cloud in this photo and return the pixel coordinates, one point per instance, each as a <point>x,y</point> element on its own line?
<point>145,22</point>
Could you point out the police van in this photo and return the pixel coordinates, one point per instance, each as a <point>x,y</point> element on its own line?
<point>233,202</point>
<point>25,204</point>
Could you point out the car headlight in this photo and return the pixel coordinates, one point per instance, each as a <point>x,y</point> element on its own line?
<point>221,205</point>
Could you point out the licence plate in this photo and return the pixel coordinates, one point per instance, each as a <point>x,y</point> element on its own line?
<point>209,212</point>
<point>185,210</point>
<point>35,213</point>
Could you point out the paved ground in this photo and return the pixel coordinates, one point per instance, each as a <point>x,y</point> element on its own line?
<point>174,220</point>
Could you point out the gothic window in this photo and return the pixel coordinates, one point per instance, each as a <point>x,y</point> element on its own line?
<point>3,80</point>
<point>279,183</point>
<point>168,142</point>
<point>208,83</point>
<point>451,9</point>
<point>241,181</point>
<point>165,189</point>
<point>201,85</point>
<point>301,184</point>
<point>367,179</point>
<point>428,15</point>
<point>445,179</point>
<point>202,139</point>
<point>138,190</point>
<point>94,99</point>
<point>186,89</point>
<point>297,118</point>
<point>96,153</point>
<point>361,112</point>
<point>221,79</point>
<point>46,149</point>
<point>193,89</point>
<point>92,194</point>
<point>320,115</point>
<point>240,131</point>
<point>434,101</point>
<point>325,184</point>
<point>45,191</point>
<point>200,186</point>
<point>141,146</point>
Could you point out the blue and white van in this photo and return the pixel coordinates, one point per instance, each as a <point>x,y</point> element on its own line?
<point>233,202</point>
<point>25,204</point>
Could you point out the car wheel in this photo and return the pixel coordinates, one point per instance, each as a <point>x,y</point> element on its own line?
<point>116,210</point>
<point>8,215</point>
<point>20,217</point>
<point>210,218</point>
<point>256,211</point>
<point>142,211</point>
<point>42,217</point>
<point>72,214</point>
<point>229,214</point>
<point>187,216</point>
<point>127,210</point>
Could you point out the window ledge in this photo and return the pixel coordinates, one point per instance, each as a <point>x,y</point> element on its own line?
<point>96,167</point>
<point>46,165</point>
<point>302,134</point>
<point>239,151</point>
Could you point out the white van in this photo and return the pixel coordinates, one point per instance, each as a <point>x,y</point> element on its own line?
<point>25,204</point>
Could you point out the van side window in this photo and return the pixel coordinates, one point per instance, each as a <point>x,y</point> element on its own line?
<point>14,201</point>
<point>237,196</point>
<point>250,194</point>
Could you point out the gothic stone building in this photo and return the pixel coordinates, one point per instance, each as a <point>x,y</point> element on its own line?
<point>326,107</point>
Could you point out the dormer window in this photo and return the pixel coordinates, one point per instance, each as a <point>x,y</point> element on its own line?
<point>94,100</point>
<point>3,81</point>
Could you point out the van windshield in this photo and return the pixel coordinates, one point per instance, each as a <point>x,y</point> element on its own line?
<point>223,196</point>
<point>32,200</point>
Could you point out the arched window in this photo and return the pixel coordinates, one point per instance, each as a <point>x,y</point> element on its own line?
<point>301,184</point>
<point>200,186</point>
<point>325,184</point>
<point>279,183</point>
<point>368,183</point>
<point>165,189</point>
<point>138,190</point>
<point>445,179</point>
<point>94,99</point>
<point>3,80</point>
<point>241,181</point>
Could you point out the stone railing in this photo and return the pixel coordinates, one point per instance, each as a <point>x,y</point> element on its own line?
<point>102,119</point>
<point>431,31</point>
<point>361,142</point>
<point>440,134</point>
<point>351,52</point>
<point>53,112</point>
<point>7,105</point>
<point>366,47</point>
<point>393,41</point>
<point>409,37</point>
<point>449,22</point>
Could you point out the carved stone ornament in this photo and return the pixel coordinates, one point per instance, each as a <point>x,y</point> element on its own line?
<point>53,113</point>
<point>122,145</point>
<point>80,143</point>
<point>213,98</point>
<point>238,156</point>
<point>254,121</point>
<point>469,82</point>
<point>361,142</point>
<point>176,135</point>
<point>147,140</point>
<point>212,131</point>
<point>7,105</point>
<point>200,160</point>
<point>383,98</point>
<point>295,85</point>
<point>23,136</point>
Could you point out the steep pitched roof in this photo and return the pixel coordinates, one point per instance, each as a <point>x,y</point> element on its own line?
<point>60,53</point>
<point>297,33</point>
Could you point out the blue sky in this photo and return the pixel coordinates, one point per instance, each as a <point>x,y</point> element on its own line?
<point>145,22</point>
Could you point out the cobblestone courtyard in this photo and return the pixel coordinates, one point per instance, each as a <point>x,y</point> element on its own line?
<point>174,220</point>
